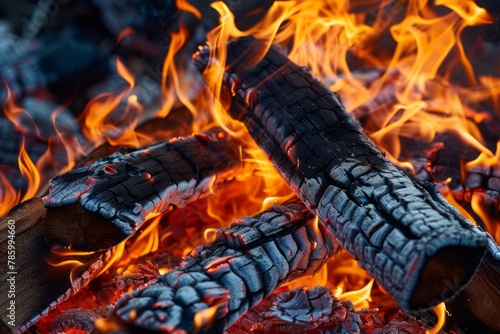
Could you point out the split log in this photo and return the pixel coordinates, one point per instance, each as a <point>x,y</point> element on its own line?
<point>219,282</point>
<point>38,286</point>
<point>126,187</point>
<point>404,236</point>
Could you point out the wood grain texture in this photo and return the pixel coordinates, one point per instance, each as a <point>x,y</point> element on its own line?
<point>404,236</point>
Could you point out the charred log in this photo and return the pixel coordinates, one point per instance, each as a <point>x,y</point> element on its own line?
<point>204,160</point>
<point>219,282</point>
<point>126,187</point>
<point>406,237</point>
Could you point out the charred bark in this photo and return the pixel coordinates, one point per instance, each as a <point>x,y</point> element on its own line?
<point>404,236</point>
<point>219,282</point>
<point>120,191</point>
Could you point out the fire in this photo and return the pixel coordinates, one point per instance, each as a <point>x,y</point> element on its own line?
<point>8,195</point>
<point>359,298</point>
<point>145,243</point>
<point>30,173</point>
<point>60,257</point>
<point>104,120</point>
<point>488,163</point>
<point>440,311</point>
<point>205,317</point>
<point>411,93</point>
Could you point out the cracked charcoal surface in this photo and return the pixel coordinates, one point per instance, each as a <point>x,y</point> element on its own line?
<point>125,188</point>
<point>404,236</point>
<point>305,310</point>
<point>245,264</point>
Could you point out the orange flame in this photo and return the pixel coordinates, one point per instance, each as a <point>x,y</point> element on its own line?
<point>359,298</point>
<point>60,257</point>
<point>16,114</point>
<point>484,163</point>
<point>101,120</point>
<point>129,31</point>
<point>440,311</point>
<point>8,195</point>
<point>205,317</point>
<point>30,173</point>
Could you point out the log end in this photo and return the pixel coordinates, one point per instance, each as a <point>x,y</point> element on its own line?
<point>82,230</point>
<point>444,275</point>
<point>475,309</point>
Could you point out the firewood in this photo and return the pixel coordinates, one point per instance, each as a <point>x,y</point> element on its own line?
<point>403,235</point>
<point>38,286</point>
<point>126,187</point>
<point>204,160</point>
<point>219,282</point>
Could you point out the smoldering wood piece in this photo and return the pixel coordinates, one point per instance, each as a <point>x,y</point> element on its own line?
<point>78,319</point>
<point>128,186</point>
<point>485,181</point>
<point>219,282</point>
<point>402,235</point>
<point>287,312</point>
<point>290,311</point>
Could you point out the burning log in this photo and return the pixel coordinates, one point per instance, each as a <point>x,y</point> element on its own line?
<point>219,282</point>
<point>126,187</point>
<point>406,237</point>
<point>174,172</point>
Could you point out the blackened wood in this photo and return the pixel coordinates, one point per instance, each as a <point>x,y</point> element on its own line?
<point>126,187</point>
<point>40,285</point>
<point>219,282</point>
<point>401,234</point>
<point>304,310</point>
<point>78,320</point>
